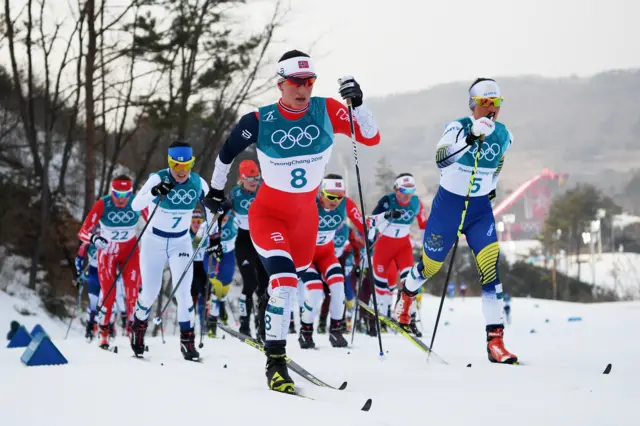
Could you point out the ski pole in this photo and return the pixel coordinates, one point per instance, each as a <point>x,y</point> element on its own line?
<point>158,320</point>
<point>358,286</point>
<point>206,304</point>
<point>352,128</point>
<point>75,311</point>
<point>455,246</point>
<point>133,249</point>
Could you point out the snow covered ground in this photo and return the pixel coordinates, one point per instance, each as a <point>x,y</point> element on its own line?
<point>560,383</point>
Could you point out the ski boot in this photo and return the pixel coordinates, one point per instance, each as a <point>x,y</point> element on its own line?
<point>90,331</point>
<point>212,326</point>
<point>188,345</point>
<point>244,326</point>
<point>322,325</point>
<point>495,346</point>
<point>335,334</point>
<point>306,336</point>
<point>112,330</point>
<point>224,316</point>
<point>278,378</point>
<point>371,326</point>
<point>104,336</point>
<point>414,327</point>
<point>292,325</point>
<point>137,336</point>
<point>403,312</point>
<point>123,322</point>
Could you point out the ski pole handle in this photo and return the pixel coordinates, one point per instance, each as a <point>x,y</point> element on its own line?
<point>348,101</point>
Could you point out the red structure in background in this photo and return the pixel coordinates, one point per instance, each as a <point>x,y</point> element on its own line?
<point>529,205</point>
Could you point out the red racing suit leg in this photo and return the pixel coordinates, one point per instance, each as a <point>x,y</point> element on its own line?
<point>283,227</point>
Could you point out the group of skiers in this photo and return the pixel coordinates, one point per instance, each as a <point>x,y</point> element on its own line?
<point>285,226</point>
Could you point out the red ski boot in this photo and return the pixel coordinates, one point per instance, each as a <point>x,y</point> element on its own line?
<point>495,346</point>
<point>403,310</point>
<point>105,331</point>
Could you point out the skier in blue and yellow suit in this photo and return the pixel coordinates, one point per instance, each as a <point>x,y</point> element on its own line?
<point>463,199</point>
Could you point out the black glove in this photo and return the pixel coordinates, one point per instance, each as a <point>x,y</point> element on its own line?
<point>350,90</point>
<point>214,199</point>
<point>492,196</point>
<point>215,247</point>
<point>357,271</point>
<point>163,188</point>
<point>99,242</point>
<point>392,214</point>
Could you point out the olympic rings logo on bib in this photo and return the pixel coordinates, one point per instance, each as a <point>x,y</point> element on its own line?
<point>406,214</point>
<point>489,153</point>
<point>182,196</point>
<point>121,217</point>
<point>296,136</point>
<point>245,204</point>
<point>225,234</point>
<point>330,221</point>
<point>339,240</point>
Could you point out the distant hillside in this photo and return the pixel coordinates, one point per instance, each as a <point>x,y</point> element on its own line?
<point>587,127</point>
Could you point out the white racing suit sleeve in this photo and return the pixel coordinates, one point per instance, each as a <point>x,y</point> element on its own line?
<point>144,197</point>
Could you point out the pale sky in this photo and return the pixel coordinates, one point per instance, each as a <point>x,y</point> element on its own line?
<point>407,45</point>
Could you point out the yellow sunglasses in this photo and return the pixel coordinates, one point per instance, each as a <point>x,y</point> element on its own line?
<point>332,197</point>
<point>181,166</point>
<point>485,102</point>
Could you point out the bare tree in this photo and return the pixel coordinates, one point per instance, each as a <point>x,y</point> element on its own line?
<point>89,172</point>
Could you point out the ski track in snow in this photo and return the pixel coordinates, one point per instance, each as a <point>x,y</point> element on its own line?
<point>561,384</point>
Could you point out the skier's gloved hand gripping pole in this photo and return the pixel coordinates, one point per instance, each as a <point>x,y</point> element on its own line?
<point>350,91</point>
<point>162,189</point>
<point>471,140</point>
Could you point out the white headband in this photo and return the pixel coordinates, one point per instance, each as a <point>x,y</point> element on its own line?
<point>333,185</point>
<point>405,181</point>
<point>483,89</point>
<point>298,66</point>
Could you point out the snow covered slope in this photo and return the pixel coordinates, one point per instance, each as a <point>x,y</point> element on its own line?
<point>560,383</point>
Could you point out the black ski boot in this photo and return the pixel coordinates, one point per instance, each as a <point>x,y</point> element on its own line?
<point>413,327</point>
<point>371,326</point>
<point>137,336</point>
<point>188,345</point>
<point>278,378</point>
<point>112,330</point>
<point>306,336</point>
<point>212,326</point>
<point>292,324</point>
<point>335,334</point>
<point>89,334</point>
<point>244,326</point>
<point>322,325</point>
<point>224,316</point>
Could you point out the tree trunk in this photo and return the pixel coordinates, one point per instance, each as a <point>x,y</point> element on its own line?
<point>89,176</point>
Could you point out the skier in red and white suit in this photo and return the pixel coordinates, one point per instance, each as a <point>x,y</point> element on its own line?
<point>334,207</point>
<point>115,242</point>
<point>294,140</point>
